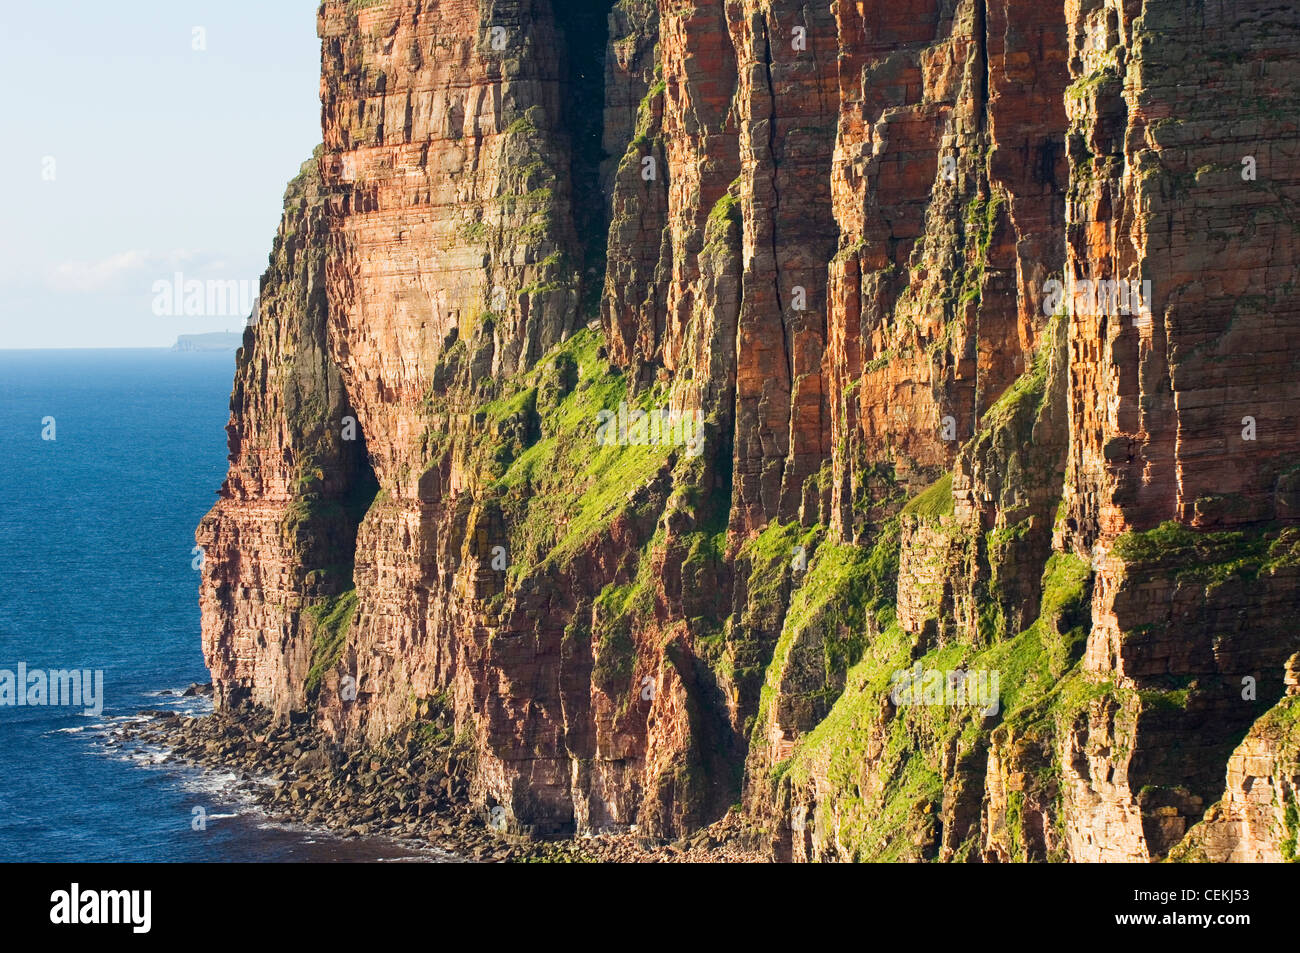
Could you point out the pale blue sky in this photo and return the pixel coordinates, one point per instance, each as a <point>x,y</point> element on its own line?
<point>166,158</point>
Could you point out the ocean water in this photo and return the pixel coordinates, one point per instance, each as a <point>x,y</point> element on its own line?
<point>96,552</point>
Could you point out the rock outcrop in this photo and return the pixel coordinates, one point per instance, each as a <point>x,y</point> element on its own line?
<point>278,545</point>
<point>1258,818</point>
<point>882,415</point>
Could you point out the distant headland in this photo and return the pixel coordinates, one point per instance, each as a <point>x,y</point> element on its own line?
<point>212,341</point>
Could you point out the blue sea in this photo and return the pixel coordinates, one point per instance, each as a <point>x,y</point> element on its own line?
<point>96,572</point>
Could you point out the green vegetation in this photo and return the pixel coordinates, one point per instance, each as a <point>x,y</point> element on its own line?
<point>725,214</point>
<point>616,650</point>
<point>521,402</point>
<point>645,115</point>
<point>770,557</point>
<point>726,209</point>
<point>1019,405</point>
<point>617,611</point>
<point>1291,819</point>
<point>767,563</point>
<point>1211,557</point>
<point>933,502</point>
<point>1089,84</point>
<point>981,217</point>
<point>1173,700</point>
<point>330,621</point>
<point>847,594</point>
<point>521,127</point>
<point>557,485</point>
<point>878,363</point>
<point>892,813</point>
<point>556,488</point>
<point>473,233</point>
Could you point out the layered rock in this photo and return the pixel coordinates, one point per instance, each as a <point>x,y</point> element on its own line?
<point>1258,817</point>
<point>833,232</point>
<point>1180,410</point>
<point>280,539</point>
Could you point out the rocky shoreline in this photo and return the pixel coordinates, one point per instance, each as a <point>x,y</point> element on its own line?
<point>414,790</point>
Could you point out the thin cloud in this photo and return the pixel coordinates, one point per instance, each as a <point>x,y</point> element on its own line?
<point>129,271</point>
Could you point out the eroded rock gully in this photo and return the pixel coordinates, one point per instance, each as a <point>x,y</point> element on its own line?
<point>822,237</point>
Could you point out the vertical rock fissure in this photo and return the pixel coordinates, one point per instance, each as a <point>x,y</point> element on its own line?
<point>776,200</point>
<point>982,72</point>
<point>584,28</point>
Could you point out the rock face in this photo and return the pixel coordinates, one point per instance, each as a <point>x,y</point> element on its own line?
<point>279,542</point>
<point>879,414</point>
<point>1258,818</point>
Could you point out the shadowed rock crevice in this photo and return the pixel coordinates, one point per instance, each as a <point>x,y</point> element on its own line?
<point>584,29</point>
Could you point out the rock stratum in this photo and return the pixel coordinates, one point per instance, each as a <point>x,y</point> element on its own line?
<point>646,386</point>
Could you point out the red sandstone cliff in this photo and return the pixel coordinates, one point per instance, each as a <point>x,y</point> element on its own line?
<point>829,230</point>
